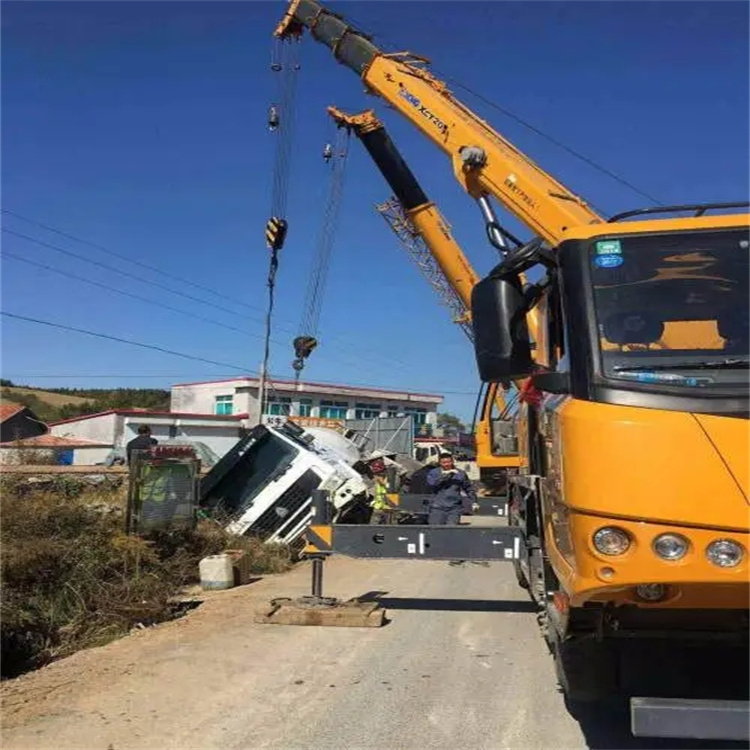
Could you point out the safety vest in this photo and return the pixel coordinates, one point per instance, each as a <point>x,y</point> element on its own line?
<point>379,501</point>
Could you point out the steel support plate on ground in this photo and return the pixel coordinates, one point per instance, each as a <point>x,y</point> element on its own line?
<point>690,719</point>
<point>416,542</point>
<point>418,503</point>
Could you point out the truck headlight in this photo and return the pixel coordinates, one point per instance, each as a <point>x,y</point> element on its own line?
<point>651,592</point>
<point>670,546</point>
<point>725,553</point>
<point>609,540</point>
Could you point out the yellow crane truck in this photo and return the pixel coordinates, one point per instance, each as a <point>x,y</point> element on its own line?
<point>628,517</point>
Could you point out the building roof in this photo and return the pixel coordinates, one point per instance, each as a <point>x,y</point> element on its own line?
<point>53,441</point>
<point>9,409</point>
<point>145,414</point>
<point>308,386</point>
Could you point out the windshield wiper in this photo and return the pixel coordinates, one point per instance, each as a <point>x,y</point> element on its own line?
<point>718,364</point>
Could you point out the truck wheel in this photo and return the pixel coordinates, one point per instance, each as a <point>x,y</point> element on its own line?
<point>585,669</point>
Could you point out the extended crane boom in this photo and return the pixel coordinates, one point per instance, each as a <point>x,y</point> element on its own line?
<point>456,276</point>
<point>427,237</point>
<point>483,161</point>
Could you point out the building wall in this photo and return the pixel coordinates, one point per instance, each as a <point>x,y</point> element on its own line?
<point>117,430</point>
<point>98,429</point>
<point>337,402</point>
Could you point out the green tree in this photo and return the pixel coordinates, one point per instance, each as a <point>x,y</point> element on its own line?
<point>450,424</point>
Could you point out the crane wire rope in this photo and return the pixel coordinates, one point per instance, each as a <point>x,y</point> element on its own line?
<point>285,66</point>
<point>336,155</point>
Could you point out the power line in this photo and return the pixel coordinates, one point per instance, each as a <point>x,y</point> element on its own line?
<point>573,152</point>
<point>139,263</point>
<point>117,270</point>
<point>586,159</point>
<point>140,279</point>
<point>7,254</point>
<point>153,347</point>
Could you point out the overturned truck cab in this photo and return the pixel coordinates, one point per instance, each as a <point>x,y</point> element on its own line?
<point>264,485</point>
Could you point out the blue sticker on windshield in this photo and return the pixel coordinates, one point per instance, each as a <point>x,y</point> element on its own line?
<point>608,247</point>
<point>608,261</point>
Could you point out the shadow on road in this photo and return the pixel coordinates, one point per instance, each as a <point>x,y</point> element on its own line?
<point>447,605</point>
<point>608,728</point>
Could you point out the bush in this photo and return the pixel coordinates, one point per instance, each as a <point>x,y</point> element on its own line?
<point>72,579</point>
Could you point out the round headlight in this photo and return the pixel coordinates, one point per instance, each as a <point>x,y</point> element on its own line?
<point>725,553</point>
<point>651,592</point>
<point>670,546</point>
<point>610,540</point>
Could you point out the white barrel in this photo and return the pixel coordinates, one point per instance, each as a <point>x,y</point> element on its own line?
<point>216,572</point>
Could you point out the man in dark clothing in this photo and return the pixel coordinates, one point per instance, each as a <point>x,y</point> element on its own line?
<point>141,442</point>
<point>448,483</point>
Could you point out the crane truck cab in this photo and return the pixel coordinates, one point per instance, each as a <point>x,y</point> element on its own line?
<point>633,485</point>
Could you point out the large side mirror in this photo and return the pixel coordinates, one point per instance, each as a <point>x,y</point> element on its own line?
<point>501,335</point>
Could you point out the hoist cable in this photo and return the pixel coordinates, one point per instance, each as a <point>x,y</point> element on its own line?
<point>326,237</point>
<point>286,64</point>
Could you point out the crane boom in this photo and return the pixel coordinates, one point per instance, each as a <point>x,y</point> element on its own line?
<point>415,219</point>
<point>483,161</point>
<point>427,237</point>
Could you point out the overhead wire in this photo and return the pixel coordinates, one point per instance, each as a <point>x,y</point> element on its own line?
<point>108,251</point>
<point>156,285</point>
<point>147,300</point>
<point>142,345</point>
<point>525,123</point>
<point>119,271</point>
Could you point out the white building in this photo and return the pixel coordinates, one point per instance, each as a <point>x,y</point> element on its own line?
<point>115,428</point>
<point>303,399</point>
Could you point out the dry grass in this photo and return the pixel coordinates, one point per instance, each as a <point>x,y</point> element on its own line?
<point>71,579</point>
<point>53,399</point>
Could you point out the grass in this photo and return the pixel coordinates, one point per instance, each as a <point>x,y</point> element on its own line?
<point>71,578</point>
<point>53,399</point>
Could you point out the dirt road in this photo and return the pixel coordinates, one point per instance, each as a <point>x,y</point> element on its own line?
<point>459,665</point>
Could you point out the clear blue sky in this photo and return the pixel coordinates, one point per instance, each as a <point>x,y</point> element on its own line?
<point>141,127</point>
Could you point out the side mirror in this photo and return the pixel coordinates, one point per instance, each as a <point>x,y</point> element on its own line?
<point>551,382</point>
<point>501,335</point>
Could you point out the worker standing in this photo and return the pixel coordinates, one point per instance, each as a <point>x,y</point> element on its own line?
<point>141,442</point>
<point>454,494</point>
<point>380,490</point>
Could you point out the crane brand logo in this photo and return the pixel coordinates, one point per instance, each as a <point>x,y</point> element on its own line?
<point>416,103</point>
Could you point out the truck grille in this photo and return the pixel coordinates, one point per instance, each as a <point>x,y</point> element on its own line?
<point>283,515</point>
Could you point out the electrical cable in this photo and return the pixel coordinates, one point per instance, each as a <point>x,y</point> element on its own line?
<point>109,337</point>
<point>127,274</point>
<point>139,263</point>
<point>135,277</point>
<point>7,254</point>
<point>525,123</point>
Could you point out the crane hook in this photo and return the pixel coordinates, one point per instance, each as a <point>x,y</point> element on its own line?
<point>327,153</point>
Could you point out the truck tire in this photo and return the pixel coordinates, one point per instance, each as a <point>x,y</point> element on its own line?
<point>586,669</point>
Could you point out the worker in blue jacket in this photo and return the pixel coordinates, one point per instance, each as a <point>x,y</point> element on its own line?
<point>454,494</point>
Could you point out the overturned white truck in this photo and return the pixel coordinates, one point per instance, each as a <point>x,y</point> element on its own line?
<point>264,485</point>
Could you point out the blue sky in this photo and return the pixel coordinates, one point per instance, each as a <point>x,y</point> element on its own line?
<point>141,127</point>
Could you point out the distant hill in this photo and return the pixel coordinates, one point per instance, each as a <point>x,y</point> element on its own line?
<point>53,404</point>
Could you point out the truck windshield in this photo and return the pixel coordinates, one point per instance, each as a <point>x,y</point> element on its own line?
<point>672,309</point>
<point>263,462</point>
